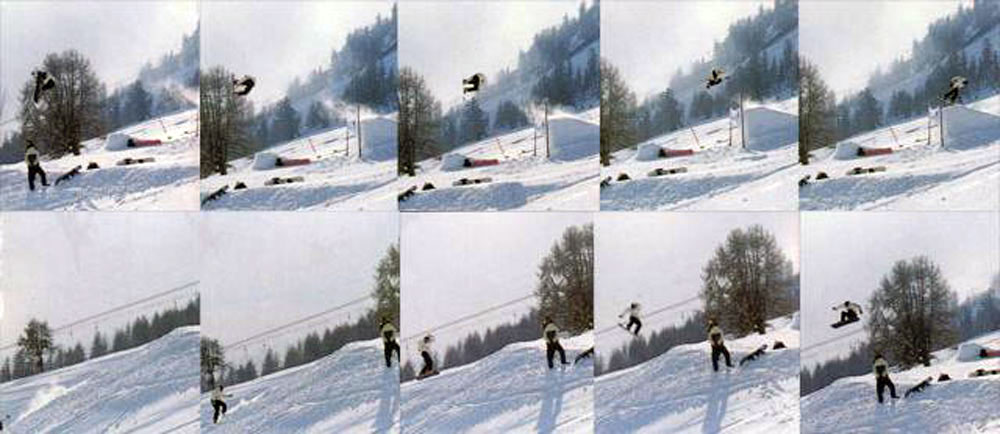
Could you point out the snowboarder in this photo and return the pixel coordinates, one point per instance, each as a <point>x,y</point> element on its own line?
<point>390,345</point>
<point>34,161</point>
<point>715,78</point>
<point>218,403</point>
<point>425,352</point>
<point>584,355</point>
<point>956,84</point>
<point>718,345</point>
<point>849,312</point>
<point>918,388</point>
<point>552,345</point>
<point>633,318</point>
<point>881,369</point>
<point>43,82</point>
<point>243,85</point>
<point>473,84</point>
<point>759,352</point>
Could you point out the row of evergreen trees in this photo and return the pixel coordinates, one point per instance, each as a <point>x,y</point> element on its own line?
<point>37,352</point>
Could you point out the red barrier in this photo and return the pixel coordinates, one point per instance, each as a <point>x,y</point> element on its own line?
<point>670,153</point>
<point>286,162</point>
<point>139,143</point>
<point>869,152</point>
<point>483,163</point>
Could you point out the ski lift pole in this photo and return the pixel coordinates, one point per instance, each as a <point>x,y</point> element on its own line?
<point>743,129</point>
<point>941,125</point>
<point>548,150</point>
<point>358,127</point>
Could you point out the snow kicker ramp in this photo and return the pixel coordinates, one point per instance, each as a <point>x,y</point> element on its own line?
<point>573,138</point>
<point>962,405</point>
<point>350,390</point>
<point>378,139</point>
<point>966,128</point>
<point>769,129</point>
<point>149,389</point>
<point>509,391</point>
<point>678,392</point>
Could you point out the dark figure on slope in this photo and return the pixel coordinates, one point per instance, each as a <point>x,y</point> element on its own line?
<point>881,369</point>
<point>389,344</point>
<point>633,318</point>
<point>552,345</point>
<point>849,313</point>
<point>718,345</point>
<point>425,353</point>
<point>956,84</point>
<point>243,85</point>
<point>219,404</point>
<point>473,84</point>
<point>34,161</point>
<point>43,82</point>
<point>715,78</point>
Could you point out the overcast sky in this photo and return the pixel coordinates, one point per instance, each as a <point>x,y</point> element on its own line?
<point>458,264</point>
<point>263,270</point>
<point>117,37</point>
<point>656,259</point>
<point>61,267</point>
<point>845,255</point>
<point>848,40</point>
<point>278,41</point>
<point>446,42</point>
<point>649,40</point>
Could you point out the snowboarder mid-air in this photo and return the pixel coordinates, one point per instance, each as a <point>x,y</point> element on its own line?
<point>219,404</point>
<point>243,85</point>
<point>473,84</point>
<point>552,345</point>
<point>715,78</point>
<point>43,82</point>
<point>881,369</point>
<point>425,353</point>
<point>849,312</point>
<point>389,343</point>
<point>718,345</point>
<point>955,86</point>
<point>633,318</point>
<point>34,161</point>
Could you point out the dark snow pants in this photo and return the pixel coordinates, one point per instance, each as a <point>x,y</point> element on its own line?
<point>428,363</point>
<point>550,351</point>
<point>32,172</point>
<point>220,409</point>
<point>390,347</point>
<point>848,316</point>
<point>633,320</point>
<point>720,350</point>
<point>880,385</point>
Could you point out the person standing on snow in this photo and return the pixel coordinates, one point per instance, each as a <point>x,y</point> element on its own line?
<point>34,161</point>
<point>218,403</point>
<point>388,332</point>
<point>552,344</point>
<point>881,369</point>
<point>849,312</point>
<point>425,352</point>
<point>633,318</point>
<point>718,345</point>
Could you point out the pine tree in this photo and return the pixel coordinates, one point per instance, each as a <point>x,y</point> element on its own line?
<point>271,363</point>
<point>565,288</point>
<point>386,288</point>
<point>36,341</point>
<point>99,347</point>
<point>286,123</point>
<point>138,103</point>
<point>318,117</point>
<point>475,122</point>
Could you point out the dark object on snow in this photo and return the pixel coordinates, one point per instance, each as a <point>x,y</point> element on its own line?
<point>985,354</point>
<point>584,355</point>
<point>66,176</point>
<point>277,180</point>
<point>43,82</point>
<point>955,86</point>
<point>215,195</point>
<point>427,186</point>
<point>606,182</point>
<point>864,170</point>
<point>715,78</point>
<point>661,171</point>
<point>778,345</point>
<point>842,323</point>
<point>623,177</point>
<point>128,161</point>
<point>871,152</point>
<point>754,355</point>
<point>93,165</point>
<point>918,388</point>
<point>288,162</point>
<point>239,185</point>
<point>473,84</point>
<point>804,181</point>
<point>943,377</point>
<point>671,153</point>
<point>401,197</point>
<point>822,175</point>
<point>141,143</point>
<point>243,85</point>
<point>984,372</point>
<point>480,162</point>
<point>470,181</point>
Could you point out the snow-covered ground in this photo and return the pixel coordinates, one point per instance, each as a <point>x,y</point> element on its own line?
<point>148,389</point>
<point>962,405</point>
<point>511,390</point>
<point>919,174</point>
<point>168,184</point>
<point>719,176</point>
<point>350,390</point>
<point>522,180</point>
<point>335,178</point>
<point>678,392</point>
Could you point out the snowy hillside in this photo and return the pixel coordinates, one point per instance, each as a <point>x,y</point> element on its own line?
<point>149,389</point>
<point>961,405</point>
<point>170,182</point>
<point>678,391</point>
<point>518,179</point>
<point>334,177</point>
<point>511,390</point>
<point>918,174</point>
<point>715,175</point>
<point>350,390</point>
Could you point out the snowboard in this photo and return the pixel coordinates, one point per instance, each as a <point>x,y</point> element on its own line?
<point>865,170</point>
<point>128,161</point>
<point>840,324</point>
<point>278,180</point>
<point>918,388</point>
<point>627,330</point>
<point>661,171</point>
<point>215,194</point>
<point>754,355</point>
<point>428,375</point>
<point>470,181</point>
<point>983,372</point>
<point>66,176</point>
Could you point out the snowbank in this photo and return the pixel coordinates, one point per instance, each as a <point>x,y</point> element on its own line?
<point>116,142</point>
<point>648,152</point>
<point>968,351</point>
<point>846,151</point>
<point>770,129</point>
<point>966,128</point>
<point>265,160</point>
<point>378,138</point>
<point>573,138</point>
<point>452,161</point>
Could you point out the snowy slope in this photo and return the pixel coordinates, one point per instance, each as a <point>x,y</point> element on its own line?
<point>350,390</point>
<point>522,180</point>
<point>169,183</point>
<point>678,392</point>
<point>962,405</point>
<point>511,390</point>
<point>919,175</point>
<point>149,389</point>
<point>335,179</point>
<point>719,176</point>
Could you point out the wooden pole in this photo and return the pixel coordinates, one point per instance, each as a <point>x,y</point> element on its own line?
<point>743,129</point>
<point>358,127</point>
<point>548,150</point>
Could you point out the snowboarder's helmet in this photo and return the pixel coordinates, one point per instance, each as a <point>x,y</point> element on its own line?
<point>634,304</point>
<point>847,303</point>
